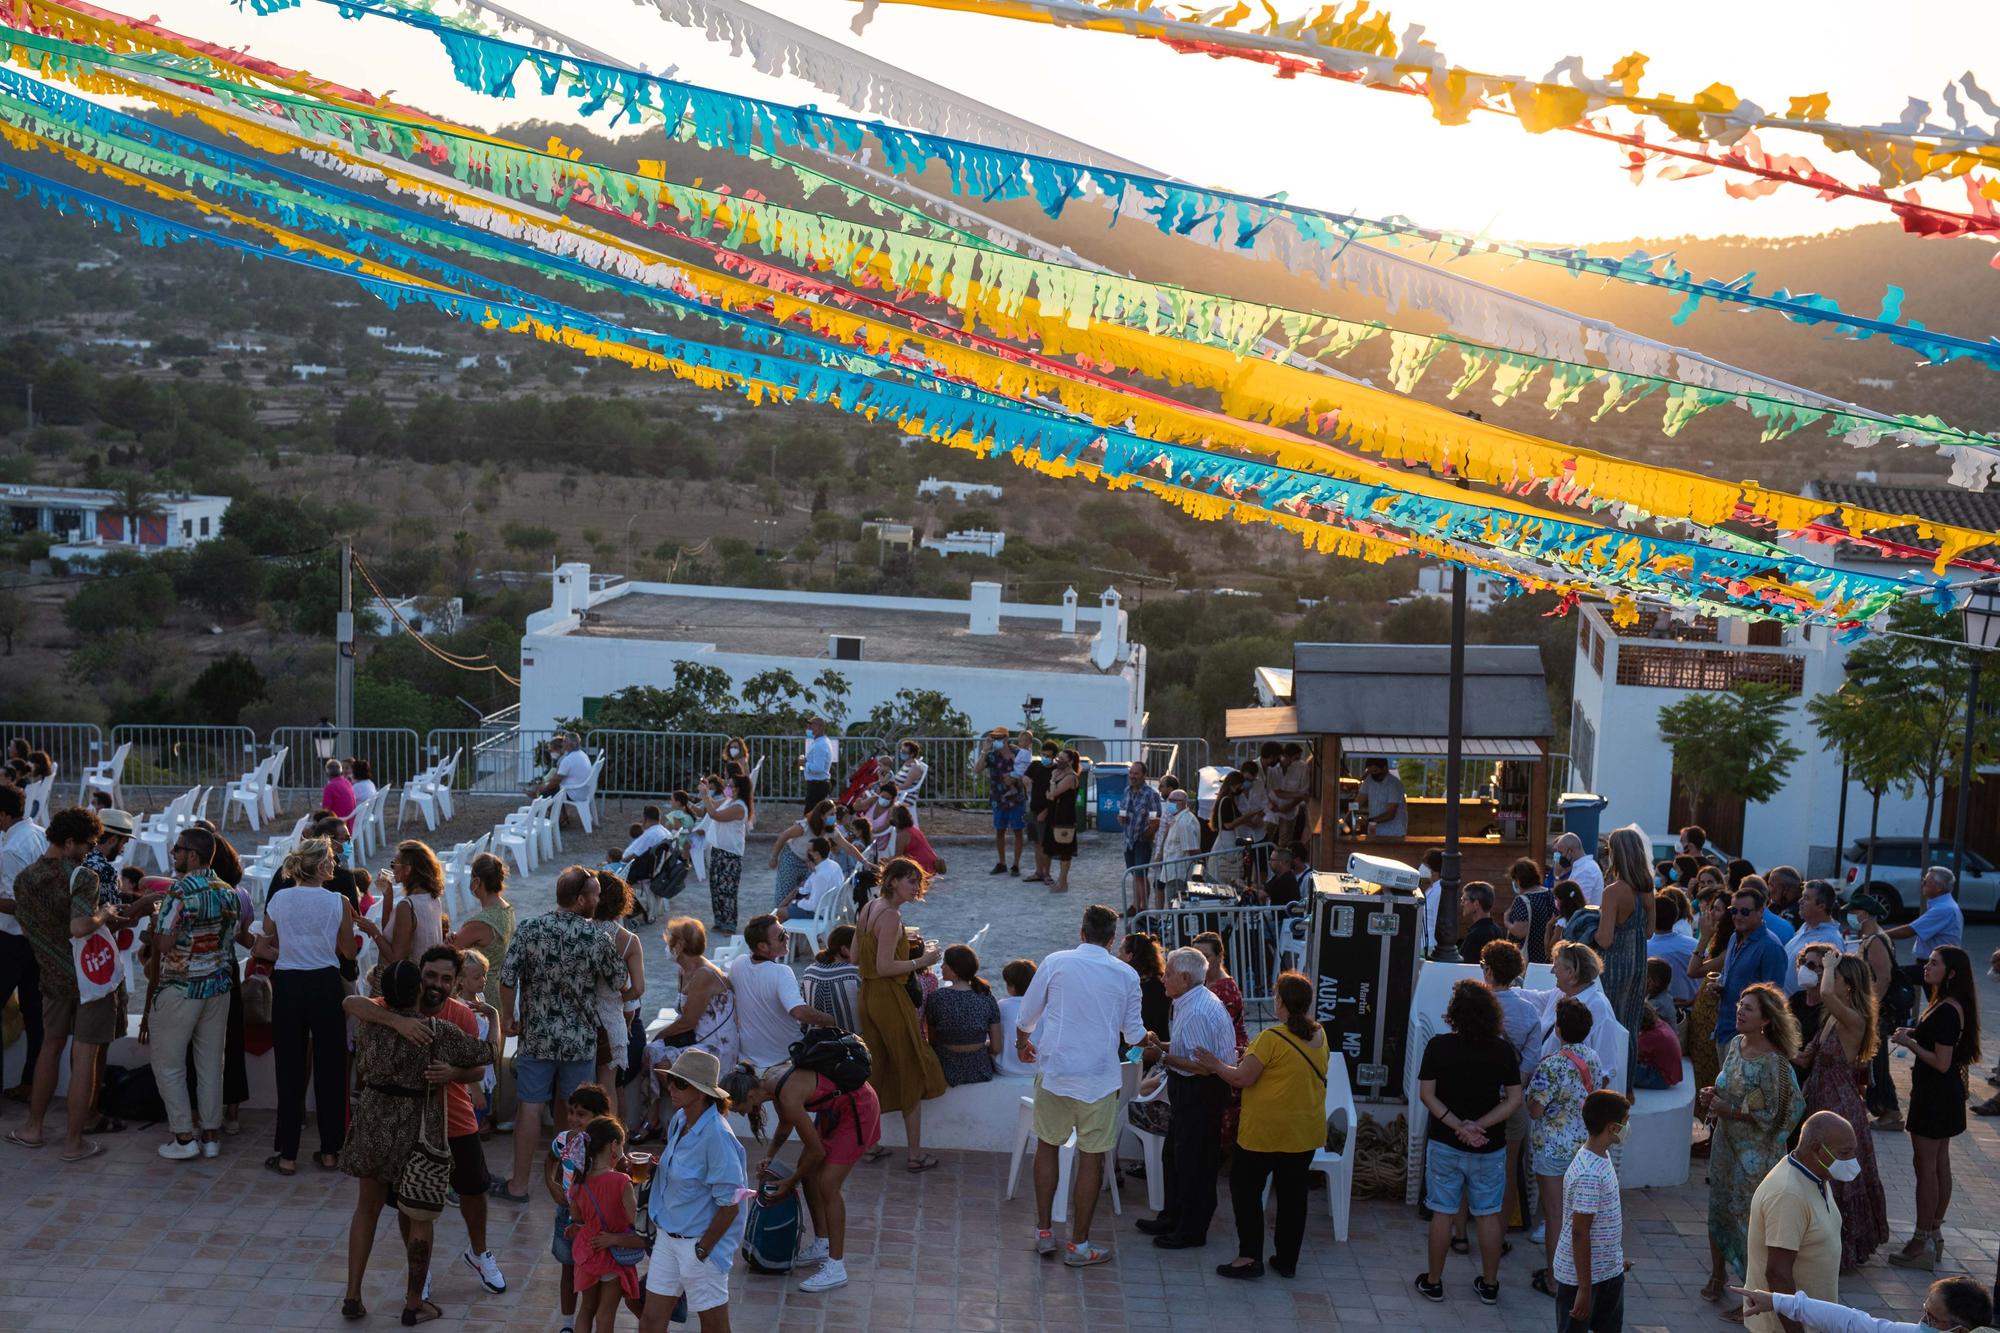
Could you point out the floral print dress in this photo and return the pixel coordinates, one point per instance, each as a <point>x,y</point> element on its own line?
<point>1744,1151</point>
<point>1559,1084</point>
<point>1835,1083</point>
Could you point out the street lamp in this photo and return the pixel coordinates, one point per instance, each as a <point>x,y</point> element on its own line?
<point>1982,636</point>
<point>323,740</point>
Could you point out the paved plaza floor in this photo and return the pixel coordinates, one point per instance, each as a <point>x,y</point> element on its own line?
<point>131,1243</point>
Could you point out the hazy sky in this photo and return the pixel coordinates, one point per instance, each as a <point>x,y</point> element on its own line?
<point>1231,124</point>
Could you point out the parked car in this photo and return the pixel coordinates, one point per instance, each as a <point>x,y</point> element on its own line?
<point>1898,868</point>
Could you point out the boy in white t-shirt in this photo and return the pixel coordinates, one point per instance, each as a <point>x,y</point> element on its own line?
<point>1589,1268</point>
<point>823,875</point>
<point>1015,977</point>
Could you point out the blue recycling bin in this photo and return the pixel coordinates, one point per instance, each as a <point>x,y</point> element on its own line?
<point>1112,779</point>
<point>1581,812</point>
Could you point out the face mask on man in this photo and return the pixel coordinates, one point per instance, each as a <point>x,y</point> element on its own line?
<point>1842,1169</point>
<point>1562,860</point>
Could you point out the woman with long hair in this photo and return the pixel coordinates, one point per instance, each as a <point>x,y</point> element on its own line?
<point>397,1105</point>
<point>836,1129</point>
<point>905,1074</point>
<point>1835,1065</point>
<point>490,929</point>
<point>1709,951</point>
<point>308,931</point>
<point>1059,830</point>
<point>1282,1079</point>
<point>418,921</point>
<point>1624,924</point>
<point>964,1020</point>
<point>906,839</point>
<point>1752,1108</point>
<point>725,803</point>
<point>832,983</point>
<point>1143,954</point>
<point>788,853</point>
<point>615,1008</point>
<point>1945,1044</point>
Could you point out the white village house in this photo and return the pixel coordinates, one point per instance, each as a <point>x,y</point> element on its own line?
<point>88,523</point>
<point>986,655</point>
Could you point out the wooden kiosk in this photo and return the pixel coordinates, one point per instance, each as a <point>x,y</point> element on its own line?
<point>1353,701</point>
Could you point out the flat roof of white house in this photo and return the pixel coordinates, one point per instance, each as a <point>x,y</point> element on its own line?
<point>799,628</point>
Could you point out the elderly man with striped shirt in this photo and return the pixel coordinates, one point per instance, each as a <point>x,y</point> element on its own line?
<point>1197,1098</point>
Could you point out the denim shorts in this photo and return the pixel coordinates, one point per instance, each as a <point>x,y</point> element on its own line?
<point>1139,854</point>
<point>1450,1172</point>
<point>537,1081</point>
<point>560,1248</point>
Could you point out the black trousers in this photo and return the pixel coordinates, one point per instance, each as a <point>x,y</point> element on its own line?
<point>1286,1171</point>
<point>1607,1307</point>
<point>1194,1151</point>
<point>1882,1097</point>
<point>306,1013</point>
<point>817,791</point>
<point>21,975</point>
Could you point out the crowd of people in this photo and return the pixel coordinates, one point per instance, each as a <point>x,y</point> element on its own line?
<point>393,1018</point>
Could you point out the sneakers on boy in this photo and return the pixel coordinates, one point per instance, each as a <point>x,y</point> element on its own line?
<point>488,1269</point>
<point>832,1273</point>
<point>1046,1244</point>
<point>1488,1292</point>
<point>1431,1291</point>
<point>1082,1254</point>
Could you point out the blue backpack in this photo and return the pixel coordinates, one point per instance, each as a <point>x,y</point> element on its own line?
<point>771,1231</point>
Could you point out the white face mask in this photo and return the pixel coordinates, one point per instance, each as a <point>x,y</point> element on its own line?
<point>1844,1169</point>
<point>1809,978</point>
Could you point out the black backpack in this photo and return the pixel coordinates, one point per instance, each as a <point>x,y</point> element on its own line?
<point>841,1056</point>
<point>131,1095</point>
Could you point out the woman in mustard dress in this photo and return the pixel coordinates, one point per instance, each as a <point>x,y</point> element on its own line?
<point>906,1072</point>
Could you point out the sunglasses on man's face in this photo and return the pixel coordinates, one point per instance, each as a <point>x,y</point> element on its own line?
<point>1746,911</point>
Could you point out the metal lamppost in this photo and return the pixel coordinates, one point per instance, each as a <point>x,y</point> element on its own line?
<point>1446,949</point>
<point>1982,636</point>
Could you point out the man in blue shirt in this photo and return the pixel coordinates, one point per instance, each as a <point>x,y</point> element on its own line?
<point>695,1199</point>
<point>817,762</point>
<point>1754,955</point>
<point>1941,922</point>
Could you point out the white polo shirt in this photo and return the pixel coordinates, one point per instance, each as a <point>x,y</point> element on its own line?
<point>1081,1005</point>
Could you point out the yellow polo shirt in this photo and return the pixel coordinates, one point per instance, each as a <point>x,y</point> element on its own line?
<point>1285,1109</point>
<point>1794,1210</point>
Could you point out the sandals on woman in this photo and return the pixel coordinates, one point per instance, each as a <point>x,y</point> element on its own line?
<point>919,1165</point>
<point>1540,1282</point>
<point>423,1314</point>
<point>1713,1291</point>
<point>352,1308</point>
<point>277,1164</point>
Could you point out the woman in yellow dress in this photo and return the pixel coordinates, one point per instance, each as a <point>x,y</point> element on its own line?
<point>906,1072</point>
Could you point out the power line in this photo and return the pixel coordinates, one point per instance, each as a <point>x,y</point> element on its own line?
<point>449,659</point>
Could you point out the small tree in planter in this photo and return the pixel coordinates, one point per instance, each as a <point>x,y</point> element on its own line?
<point>1730,743</point>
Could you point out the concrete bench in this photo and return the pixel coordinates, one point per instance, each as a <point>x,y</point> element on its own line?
<point>1658,1135</point>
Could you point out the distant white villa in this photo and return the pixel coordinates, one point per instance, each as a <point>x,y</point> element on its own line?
<point>962,491</point>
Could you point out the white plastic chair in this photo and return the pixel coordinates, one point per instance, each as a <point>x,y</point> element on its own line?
<point>105,777</point>
<point>157,832</point>
<point>813,930</point>
<point>252,792</point>
<point>517,835</point>
<point>37,794</point>
<point>582,805</point>
<point>428,791</point>
<point>1338,1166</point>
<point>442,782</point>
<point>373,829</point>
<point>1024,1142</point>
<point>1153,1150</point>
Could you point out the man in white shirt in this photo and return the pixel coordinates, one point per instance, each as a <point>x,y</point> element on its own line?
<point>1573,862</point>
<point>770,1008</point>
<point>651,834</point>
<point>818,761</point>
<point>1081,1006</point>
<point>824,875</point>
<point>1958,1304</point>
<point>571,775</point>
<point>1382,795</point>
<point>21,845</point>
<point>1819,923</point>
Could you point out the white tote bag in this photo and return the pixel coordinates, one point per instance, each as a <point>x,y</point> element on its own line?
<point>97,969</point>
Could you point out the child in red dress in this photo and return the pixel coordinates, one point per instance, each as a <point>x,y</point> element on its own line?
<point>603,1206</point>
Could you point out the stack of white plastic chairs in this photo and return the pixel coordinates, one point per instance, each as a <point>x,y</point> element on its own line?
<point>371,834</point>
<point>38,794</point>
<point>157,832</point>
<point>457,864</point>
<point>430,792</point>
<point>256,791</point>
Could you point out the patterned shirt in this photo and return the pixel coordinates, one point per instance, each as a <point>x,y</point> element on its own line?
<point>1557,1086</point>
<point>48,895</point>
<point>554,964</point>
<point>1005,792</point>
<point>1141,807</point>
<point>196,922</point>
<point>1591,1186</point>
<point>107,878</point>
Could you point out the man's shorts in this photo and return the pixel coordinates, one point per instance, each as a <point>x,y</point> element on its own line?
<point>93,1024</point>
<point>537,1081</point>
<point>1451,1173</point>
<point>675,1271</point>
<point>1009,817</point>
<point>1095,1123</point>
<point>468,1166</point>
<point>1139,854</point>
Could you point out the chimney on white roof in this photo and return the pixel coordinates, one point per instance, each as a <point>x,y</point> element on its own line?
<point>985,604</point>
<point>572,590</point>
<point>1069,611</point>
<point>1108,646</point>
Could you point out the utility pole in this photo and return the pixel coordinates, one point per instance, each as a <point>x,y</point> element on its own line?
<point>31,408</point>
<point>343,663</point>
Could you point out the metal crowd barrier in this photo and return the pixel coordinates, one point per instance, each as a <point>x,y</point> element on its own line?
<point>1256,941</point>
<point>71,746</point>
<point>650,765</point>
<point>395,754</point>
<point>177,756</point>
<point>493,761</point>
